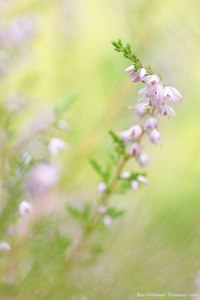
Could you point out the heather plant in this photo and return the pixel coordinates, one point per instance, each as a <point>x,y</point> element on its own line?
<point>31,234</point>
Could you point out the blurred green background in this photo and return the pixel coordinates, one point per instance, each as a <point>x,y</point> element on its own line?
<point>156,246</point>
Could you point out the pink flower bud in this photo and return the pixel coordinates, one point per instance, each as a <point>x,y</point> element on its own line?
<point>107,221</point>
<point>151,124</point>
<point>155,136</point>
<point>172,94</point>
<point>101,187</point>
<point>40,179</point>
<point>125,175</point>
<point>135,131</point>
<point>166,110</point>
<point>144,160</point>
<point>24,208</point>
<point>4,246</point>
<point>134,185</point>
<point>102,209</point>
<point>56,145</point>
<point>140,109</point>
<point>152,79</point>
<point>142,179</point>
<point>129,69</point>
<point>135,150</point>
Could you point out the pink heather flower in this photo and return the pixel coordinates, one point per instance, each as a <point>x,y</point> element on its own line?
<point>152,80</point>
<point>135,149</point>
<point>107,221</point>
<point>4,246</point>
<point>40,179</point>
<point>140,109</point>
<point>138,75</point>
<point>125,136</point>
<point>134,76</point>
<point>56,145</point>
<point>142,179</point>
<point>142,73</point>
<point>135,131</point>
<point>102,209</point>
<point>134,185</point>
<point>101,187</point>
<point>125,175</point>
<point>154,93</point>
<point>129,69</point>
<point>144,160</point>
<point>155,136</point>
<point>150,124</point>
<point>172,94</point>
<point>24,208</point>
<point>166,110</point>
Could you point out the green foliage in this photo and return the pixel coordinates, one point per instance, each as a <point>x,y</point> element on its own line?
<point>126,50</point>
<point>81,215</point>
<point>119,145</point>
<point>115,213</point>
<point>124,184</point>
<point>65,103</point>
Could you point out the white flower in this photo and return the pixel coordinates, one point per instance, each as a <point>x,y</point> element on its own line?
<point>125,136</point>
<point>129,69</point>
<point>4,246</point>
<point>55,145</point>
<point>24,208</point>
<point>172,94</point>
<point>134,185</point>
<point>142,179</point>
<point>101,187</point>
<point>125,175</point>
<point>107,221</point>
<point>144,160</point>
<point>142,73</point>
<point>155,136</point>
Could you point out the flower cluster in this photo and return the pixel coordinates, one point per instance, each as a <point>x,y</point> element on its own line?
<point>154,101</point>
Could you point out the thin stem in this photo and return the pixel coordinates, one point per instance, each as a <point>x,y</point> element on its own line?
<point>104,199</point>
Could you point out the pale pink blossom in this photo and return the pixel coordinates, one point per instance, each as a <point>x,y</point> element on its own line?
<point>125,175</point>
<point>107,221</point>
<point>134,185</point>
<point>56,145</point>
<point>4,246</point>
<point>144,160</point>
<point>129,69</point>
<point>172,94</point>
<point>166,110</point>
<point>135,132</point>
<point>24,208</point>
<point>135,149</point>
<point>142,179</point>
<point>101,187</point>
<point>102,209</point>
<point>125,136</point>
<point>150,124</point>
<point>155,136</point>
<point>141,109</point>
<point>40,179</point>
<point>152,79</point>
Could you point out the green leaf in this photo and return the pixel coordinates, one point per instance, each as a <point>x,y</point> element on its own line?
<point>65,103</point>
<point>115,213</point>
<point>83,215</point>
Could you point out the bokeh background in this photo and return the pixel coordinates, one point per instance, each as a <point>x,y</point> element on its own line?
<point>155,247</point>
